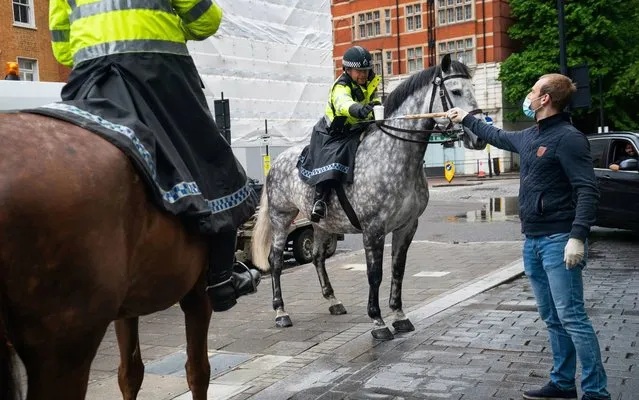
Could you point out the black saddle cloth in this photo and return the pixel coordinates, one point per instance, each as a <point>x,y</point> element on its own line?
<point>151,107</point>
<point>330,156</point>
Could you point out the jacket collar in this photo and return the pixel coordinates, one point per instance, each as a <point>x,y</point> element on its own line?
<point>549,122</point>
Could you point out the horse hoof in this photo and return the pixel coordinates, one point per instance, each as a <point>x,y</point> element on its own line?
<point>403,325</point>
<point>337,309</point>
<point>382,334</point>
<point>283,321</point>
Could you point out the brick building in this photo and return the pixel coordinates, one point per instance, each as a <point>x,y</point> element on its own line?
<point>405,36</point>
<point>25,38</point>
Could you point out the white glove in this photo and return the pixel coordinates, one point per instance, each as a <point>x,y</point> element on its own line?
<point>573,252</point>
<point>456,115</point>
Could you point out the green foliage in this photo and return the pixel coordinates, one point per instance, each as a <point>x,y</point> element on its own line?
<point>599,33</point>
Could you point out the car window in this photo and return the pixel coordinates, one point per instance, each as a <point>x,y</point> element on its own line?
<point>597,152</point>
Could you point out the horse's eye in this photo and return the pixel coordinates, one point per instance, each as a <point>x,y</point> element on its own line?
<point>456,92</point>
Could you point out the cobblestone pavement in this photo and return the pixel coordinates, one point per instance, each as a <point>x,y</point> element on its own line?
<point>491,345</point>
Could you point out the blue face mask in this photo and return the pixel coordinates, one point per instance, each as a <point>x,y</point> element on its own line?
<point>529,112</point>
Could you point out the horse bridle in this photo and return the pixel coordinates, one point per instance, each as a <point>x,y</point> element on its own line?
<point>452,134</point>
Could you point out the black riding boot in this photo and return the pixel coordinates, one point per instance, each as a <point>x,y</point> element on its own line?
<point>228,280</point>
<point>320,202</point>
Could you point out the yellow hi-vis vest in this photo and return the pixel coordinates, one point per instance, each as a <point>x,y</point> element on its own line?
<point>86,29</point>
<point>342,97</point>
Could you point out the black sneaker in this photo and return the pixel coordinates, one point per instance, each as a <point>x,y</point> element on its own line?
<point>592,397</point>
<point>550,392</point>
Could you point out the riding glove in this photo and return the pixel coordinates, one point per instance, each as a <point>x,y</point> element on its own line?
<point>360,111</point>
<point>573,252</point>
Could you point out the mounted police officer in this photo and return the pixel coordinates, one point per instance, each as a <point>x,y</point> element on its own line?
<point>330,158</point>
<point>134,54</point>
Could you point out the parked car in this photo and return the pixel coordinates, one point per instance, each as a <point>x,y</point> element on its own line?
<point>619,203</point>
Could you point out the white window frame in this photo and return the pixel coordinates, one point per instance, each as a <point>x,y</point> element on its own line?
<point>453,47</point>
<point>448,11</point>
<point>413,17</point>
<point>388,61</point>
<point>378,62</point>
<point>369,24</point>
<point>414,57</point>
<point>34,71</point>
<point>30,13</point>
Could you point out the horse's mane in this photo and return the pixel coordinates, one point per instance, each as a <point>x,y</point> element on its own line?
<point>416,82</point>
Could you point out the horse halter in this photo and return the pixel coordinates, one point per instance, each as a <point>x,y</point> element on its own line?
<point>438,82</point>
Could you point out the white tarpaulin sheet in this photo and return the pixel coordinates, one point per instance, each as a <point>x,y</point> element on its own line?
<point>273,60</point>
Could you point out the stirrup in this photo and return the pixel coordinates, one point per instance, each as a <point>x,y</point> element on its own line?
<point>315,215</point>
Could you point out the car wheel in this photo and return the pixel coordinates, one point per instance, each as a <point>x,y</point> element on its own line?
<point>303,246</point>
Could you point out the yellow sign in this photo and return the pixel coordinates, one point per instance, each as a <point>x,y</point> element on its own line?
<point>266,163</point>
<point>449,170</point>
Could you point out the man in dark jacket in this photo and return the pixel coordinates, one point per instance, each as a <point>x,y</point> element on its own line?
<point>558,199</point>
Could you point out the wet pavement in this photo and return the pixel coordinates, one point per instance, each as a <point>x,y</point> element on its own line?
<point>469,343</point>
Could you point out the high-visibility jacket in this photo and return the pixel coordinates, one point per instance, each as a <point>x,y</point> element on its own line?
<point>85,29</point>
<point>346,92</point>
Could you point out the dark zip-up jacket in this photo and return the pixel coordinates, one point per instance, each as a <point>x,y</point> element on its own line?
<point>558,190</point>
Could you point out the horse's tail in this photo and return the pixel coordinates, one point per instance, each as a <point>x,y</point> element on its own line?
<point>262,232</point>
<point>8,384</point>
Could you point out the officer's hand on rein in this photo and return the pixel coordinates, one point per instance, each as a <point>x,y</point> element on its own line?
<point>359,111</point>
<point>573,252</point>
<point>456,115</point>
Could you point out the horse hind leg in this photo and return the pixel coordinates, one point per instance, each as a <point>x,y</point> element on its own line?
<point>197,315</point>
<point>281,220</point>
<point>131,369</point>
<point>374,250</point>
<point>401,241</point>
<point>321,240</point>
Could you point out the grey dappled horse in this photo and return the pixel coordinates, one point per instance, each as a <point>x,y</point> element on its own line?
<point>388,194</point>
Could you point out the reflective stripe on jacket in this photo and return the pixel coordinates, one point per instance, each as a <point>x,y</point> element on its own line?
<point>344,94</point>
<point>85,29</point>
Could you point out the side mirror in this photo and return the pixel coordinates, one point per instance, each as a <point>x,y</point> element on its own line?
<point>630,164</point>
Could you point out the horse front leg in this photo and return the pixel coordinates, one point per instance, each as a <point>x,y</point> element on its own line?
<point>402,239</point>
<point>131,369</point>
<point>321,240</point>
<point>374,249</point>
<point>197,315</point>
<point>281,221</point>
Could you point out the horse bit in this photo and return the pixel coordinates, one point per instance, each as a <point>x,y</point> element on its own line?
<point>445,99</point>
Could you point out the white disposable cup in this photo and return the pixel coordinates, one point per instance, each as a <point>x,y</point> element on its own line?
<point>378,112</point>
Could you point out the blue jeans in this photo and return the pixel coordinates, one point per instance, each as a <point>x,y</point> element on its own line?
<point>560,301</point>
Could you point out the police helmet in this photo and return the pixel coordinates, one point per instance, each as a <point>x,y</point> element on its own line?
<point>357,57</point>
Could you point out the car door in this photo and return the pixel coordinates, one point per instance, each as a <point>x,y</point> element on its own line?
<point>598,151</point>
<point>622,193</point>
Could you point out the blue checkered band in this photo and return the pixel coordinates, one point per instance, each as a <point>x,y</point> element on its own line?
<point>352,64</point>
<point>177,192</point>
<point>330,167</point>
<point>230,201</point>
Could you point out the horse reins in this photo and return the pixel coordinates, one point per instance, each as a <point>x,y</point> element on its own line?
<point>438,81</point>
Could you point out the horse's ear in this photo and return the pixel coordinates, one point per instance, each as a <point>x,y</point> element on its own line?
<point>446,63</point>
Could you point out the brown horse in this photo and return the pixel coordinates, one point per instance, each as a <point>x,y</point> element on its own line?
<point>82,245</point>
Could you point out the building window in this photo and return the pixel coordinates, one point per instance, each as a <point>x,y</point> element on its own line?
<point>28,69</point>
<point>414,59</point>
<point>377,62</point>
<point>413,17</point>
<point>369,25</point>
<point>387,17</point>
<point>23,13</point>
<point>453,11</point>
<point>389,63</point>
<point>461,50</point>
